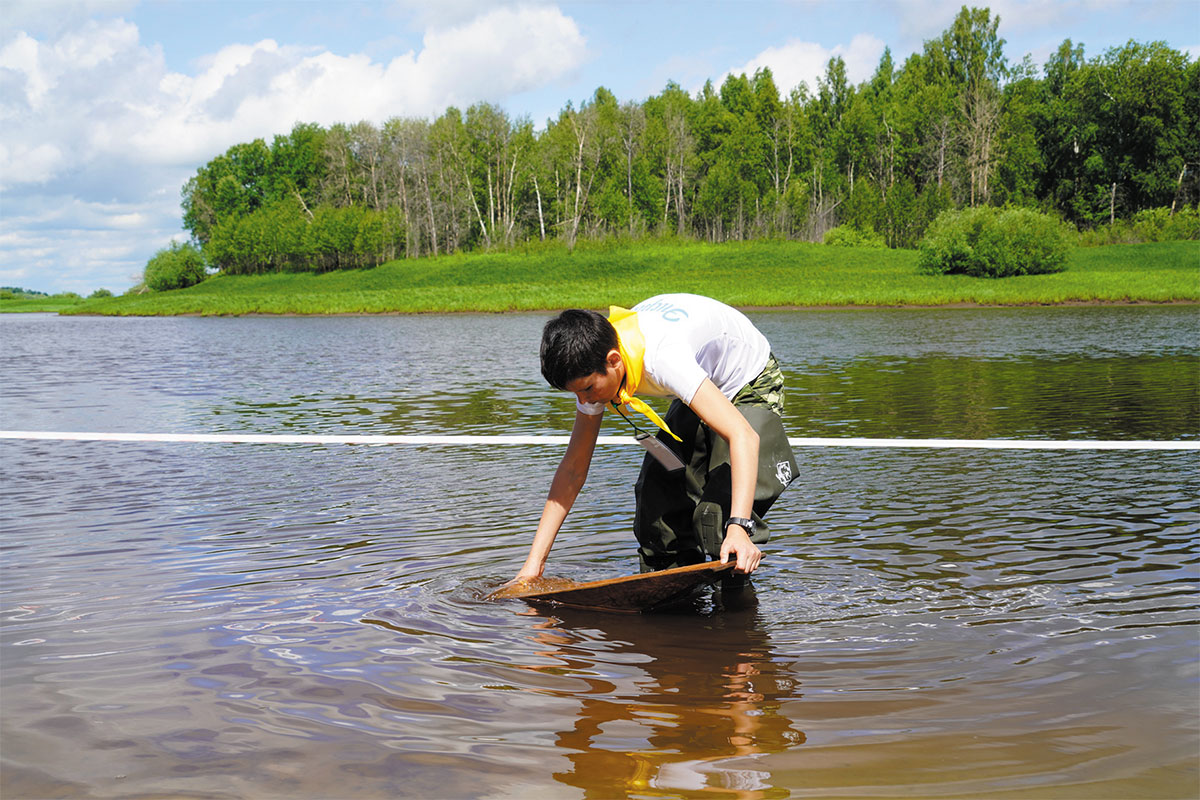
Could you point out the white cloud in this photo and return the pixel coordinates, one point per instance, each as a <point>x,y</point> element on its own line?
<point>918,21</point>
<point>91,115</point>
<point>52,17</point>
<point>797,62</point>
<point>62,243</point>
<point>1040,24</point>
<point>30,163</point>
<point>452,13</point>
<point>95,91</point>
<point>247,91</point>
<point>501,53</point>
<point>75,260</point>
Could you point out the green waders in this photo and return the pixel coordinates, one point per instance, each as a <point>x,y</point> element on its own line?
<point>680,516</point>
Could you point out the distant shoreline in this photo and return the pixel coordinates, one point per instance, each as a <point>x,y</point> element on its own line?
<point>755,309</point>
<point>744,308</point>
<point>757,276</point>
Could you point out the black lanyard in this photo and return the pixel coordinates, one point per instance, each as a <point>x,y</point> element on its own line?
<point>617,406</point>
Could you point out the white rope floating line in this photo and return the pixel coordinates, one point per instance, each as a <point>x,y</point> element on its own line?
<point>558,440</point>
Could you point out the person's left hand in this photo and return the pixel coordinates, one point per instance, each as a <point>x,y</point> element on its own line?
<point>737,544</point>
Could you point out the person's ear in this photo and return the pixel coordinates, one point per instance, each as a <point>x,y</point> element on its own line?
<point>613,358</point>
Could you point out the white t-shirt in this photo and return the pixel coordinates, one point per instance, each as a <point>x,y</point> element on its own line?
<point>690,338</point>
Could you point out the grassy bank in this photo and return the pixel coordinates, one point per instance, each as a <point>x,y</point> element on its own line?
<point>45,303</point>
<point>742,274</point>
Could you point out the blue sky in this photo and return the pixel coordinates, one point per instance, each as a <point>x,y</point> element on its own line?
<point>108,106</point>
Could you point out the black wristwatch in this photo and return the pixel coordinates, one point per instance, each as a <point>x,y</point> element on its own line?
<point>748,524</point>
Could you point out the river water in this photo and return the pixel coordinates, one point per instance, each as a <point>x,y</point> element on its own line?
<point>311,621</point>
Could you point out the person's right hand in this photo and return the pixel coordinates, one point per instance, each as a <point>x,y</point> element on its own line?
<point>745,552</point>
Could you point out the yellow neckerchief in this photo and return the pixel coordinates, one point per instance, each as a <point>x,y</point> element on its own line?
<point>632,347</point>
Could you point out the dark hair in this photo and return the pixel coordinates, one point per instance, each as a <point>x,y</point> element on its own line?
<point>575,344</point>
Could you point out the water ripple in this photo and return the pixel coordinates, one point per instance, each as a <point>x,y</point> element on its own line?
<point>311,621</point>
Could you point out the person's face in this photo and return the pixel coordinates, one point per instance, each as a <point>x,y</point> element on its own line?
<point>600,387</point>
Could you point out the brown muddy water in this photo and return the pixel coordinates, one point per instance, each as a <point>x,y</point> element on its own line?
<point>311,621</point>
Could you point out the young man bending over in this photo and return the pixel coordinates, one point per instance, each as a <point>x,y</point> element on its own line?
<point>724,425</point>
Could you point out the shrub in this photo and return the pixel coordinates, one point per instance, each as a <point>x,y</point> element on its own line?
<point>99,293</point>
<point>176,267</point>
<point>330,236</point>
<point>850,236</point>
<point>994,243</point>
<point>1183,225</point>
<point>1147,225</point>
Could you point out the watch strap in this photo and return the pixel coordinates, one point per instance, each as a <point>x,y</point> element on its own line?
<point>748,524</point>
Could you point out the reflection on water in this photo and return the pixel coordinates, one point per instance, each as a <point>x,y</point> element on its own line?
<point>673,705</point>
<point>229,621</point>
<point>1099,373</point>
<point>1143,397</point>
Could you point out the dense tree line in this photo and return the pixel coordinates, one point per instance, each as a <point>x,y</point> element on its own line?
<point>1091,140</point>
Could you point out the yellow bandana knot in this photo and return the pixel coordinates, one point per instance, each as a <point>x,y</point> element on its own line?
<point>632,347</point>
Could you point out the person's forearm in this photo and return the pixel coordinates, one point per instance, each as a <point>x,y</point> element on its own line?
<point>743,467</point>
<point>552,519</point>
<point>723,417</point>
<point>568,481</point>
<point>731,425</point>
<point>563,491</point>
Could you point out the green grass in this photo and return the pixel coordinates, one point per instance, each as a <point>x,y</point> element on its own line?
<point>742,274</point>
<point>53,303</point>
